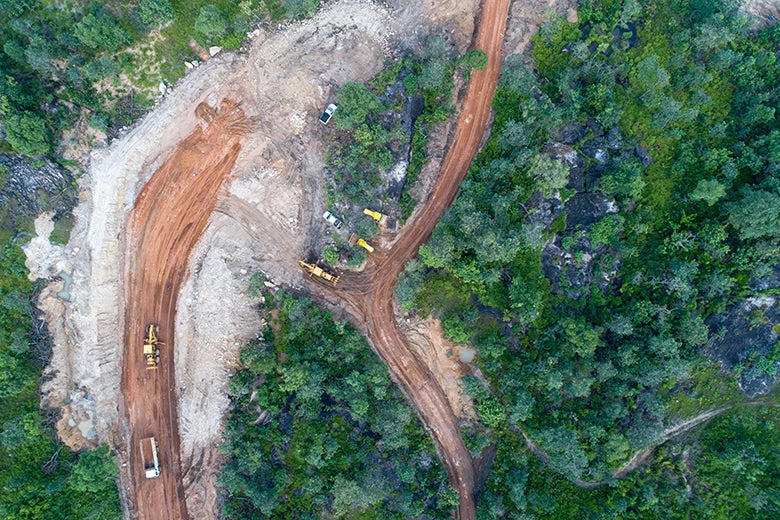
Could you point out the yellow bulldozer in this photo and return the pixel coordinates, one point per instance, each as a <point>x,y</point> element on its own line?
<point>152,347</point>
<point>319,272</point>
<point>353,239</point>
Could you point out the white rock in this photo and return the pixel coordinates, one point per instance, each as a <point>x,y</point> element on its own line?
<point>189,65</point>
<point>162,87</point>
<point>213,51</point>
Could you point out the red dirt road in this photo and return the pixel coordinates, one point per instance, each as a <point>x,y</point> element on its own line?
<point>165,225</point>
<point>368,295</point>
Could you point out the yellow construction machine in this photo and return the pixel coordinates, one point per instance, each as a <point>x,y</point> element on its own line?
<point>152,347</point>
<point>379,217</point>
<point>319,272</point>
<point>353,239</point>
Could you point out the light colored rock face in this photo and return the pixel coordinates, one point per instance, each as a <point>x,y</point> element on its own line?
<point>767,12</point>
<point>262,223</point>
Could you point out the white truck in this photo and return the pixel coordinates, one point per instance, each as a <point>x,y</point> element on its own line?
<point>325,117</point>
<point>149,457</point>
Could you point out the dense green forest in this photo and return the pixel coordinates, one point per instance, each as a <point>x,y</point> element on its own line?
<point>627,201</point>
<point>39,477</point>
<point>102,62</point>
<point>318,429</point>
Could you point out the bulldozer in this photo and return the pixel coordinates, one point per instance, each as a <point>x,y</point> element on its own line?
<point>353,239</point>
<point>319,272</point>
<point>152,347</point>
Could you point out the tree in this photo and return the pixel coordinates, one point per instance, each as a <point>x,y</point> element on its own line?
<point>756,214</point>
<point>550,174</point>
<point>210,23</point>
<point>299,9</point>
<point>99,32</point>
<point>709,191</point>
<point>155,12</point>
<point>475,59</point>
<point>356,102</point>
<point>27,133</point>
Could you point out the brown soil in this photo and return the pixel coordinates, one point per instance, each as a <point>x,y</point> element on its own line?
<point>368,296</point>
<point>165,225</point>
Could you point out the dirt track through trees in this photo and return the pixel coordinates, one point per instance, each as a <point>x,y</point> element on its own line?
<point>368,295</point>
<point>165,225</point>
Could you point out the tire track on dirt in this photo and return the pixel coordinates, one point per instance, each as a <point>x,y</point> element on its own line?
<point>169,216</point>
<point>368,296</point>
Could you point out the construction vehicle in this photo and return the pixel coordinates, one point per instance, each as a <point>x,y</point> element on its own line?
<point>353,239</point>
<point>379,217</point>
<point>315,270</point>
<point>149,457</point>
<point>384,221</point>
<point>152,347</point>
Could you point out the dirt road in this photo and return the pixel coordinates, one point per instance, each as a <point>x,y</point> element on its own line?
<point>368,295</point>
<point>169,217</point>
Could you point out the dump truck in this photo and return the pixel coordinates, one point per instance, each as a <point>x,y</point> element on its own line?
<point>319,272</point>
<point>149,457</point>
<point>152,347</point>
<point>353,239</point>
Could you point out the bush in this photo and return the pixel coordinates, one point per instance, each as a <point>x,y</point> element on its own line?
<point>27,133</point>
<point>155,12</point>
<point>211,23</point>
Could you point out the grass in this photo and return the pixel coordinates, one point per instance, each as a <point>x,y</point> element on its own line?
<point>708,388</point>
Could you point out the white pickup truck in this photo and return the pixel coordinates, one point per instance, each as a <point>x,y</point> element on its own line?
<point>330,217</point>
<point>325,117</point>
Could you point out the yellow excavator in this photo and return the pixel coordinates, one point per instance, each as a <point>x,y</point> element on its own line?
<point>379,217</point>
<point>319,272</point>
<point>152,347</point>
<point>353,239</point>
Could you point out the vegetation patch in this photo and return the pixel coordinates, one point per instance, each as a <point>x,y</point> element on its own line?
<point>318,429</point>
<point>627,194</point>
<point>39,477</point>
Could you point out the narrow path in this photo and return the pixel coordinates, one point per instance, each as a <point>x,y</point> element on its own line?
<point>367,296</point>
<point>165,225</point>
<point>641,456</point>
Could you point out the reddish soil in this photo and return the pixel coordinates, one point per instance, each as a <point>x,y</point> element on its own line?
<point>169,217</point>
<point>367,296</point>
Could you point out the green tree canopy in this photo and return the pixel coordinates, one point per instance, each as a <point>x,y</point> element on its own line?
<point>355,103</point>
<point>27,133</point>
<point>211,23</point>
<point>100,32</point>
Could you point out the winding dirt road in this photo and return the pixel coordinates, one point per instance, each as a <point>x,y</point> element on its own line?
<point>165,225</point>
<point>368,295</point>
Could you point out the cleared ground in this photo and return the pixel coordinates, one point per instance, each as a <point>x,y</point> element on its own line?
<point>169,217</point>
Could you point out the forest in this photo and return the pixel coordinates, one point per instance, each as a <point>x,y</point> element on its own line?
<point>318,429</point>
<point>627,201</point>
<point>100,63</point>
<point>40,478</point>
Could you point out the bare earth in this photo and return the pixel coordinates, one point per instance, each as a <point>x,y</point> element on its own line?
<point>263,220</point>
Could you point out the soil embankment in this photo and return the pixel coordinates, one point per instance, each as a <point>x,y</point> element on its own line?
<point>165,225</point>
